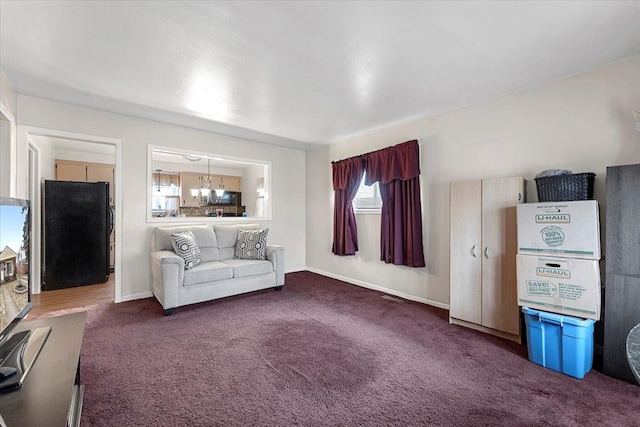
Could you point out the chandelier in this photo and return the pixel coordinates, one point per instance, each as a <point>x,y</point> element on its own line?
<point>204,191</point>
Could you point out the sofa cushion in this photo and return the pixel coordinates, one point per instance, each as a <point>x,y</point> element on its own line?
<point>206,238</point>
<point>227,253</point>
<point>245,267</point>
<point>252,244</point>
<point>227,235</point>
<point>185,246</point>
<point>207,272</point>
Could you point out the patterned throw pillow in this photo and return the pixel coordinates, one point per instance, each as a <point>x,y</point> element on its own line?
<point>252,244</point>
<point>185,245</point>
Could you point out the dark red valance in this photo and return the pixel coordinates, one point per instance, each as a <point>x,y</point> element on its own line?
<point>401,161</point>
<point>347,172</point>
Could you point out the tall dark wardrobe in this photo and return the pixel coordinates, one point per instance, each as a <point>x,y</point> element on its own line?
<point>622,286</point>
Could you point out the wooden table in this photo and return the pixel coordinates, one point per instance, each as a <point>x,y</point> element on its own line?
<point>51,394</point>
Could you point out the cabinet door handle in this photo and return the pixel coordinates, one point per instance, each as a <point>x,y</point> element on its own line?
<point>486,252</point>
<point>474,250</point>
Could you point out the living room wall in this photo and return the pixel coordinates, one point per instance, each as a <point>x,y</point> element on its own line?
<point>288,176</point>
<point>583,123</point>
<point>8,107</point>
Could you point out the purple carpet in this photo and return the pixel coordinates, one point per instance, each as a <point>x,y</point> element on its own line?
<point>324,353</point>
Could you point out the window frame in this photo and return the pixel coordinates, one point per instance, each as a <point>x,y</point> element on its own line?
<point>368,211</point>
<point>266,193</point>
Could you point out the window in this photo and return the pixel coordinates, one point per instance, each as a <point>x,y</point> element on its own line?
<point>368,197</point>
<point>166,191</point>
<point>170,179</point>
<point>10,268</point>
<point>159,199</point>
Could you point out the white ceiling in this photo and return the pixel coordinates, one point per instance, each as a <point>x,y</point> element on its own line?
<point>294,73</point>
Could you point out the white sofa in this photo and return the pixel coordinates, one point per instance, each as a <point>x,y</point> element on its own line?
<point>218,275</point>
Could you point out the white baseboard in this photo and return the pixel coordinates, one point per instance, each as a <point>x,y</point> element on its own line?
<point>133,297</point>
<point>379,288</point>
<point>295,270</point>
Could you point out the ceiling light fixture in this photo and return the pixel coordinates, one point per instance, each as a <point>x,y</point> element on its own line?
<point>205,187</point>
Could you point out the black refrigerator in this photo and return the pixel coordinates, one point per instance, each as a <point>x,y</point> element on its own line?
<point>77,223</point>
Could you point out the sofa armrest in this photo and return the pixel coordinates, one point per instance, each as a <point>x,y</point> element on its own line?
<point>275,254</point>
<point>167,271</point>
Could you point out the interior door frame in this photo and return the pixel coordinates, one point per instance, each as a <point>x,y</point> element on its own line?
<point>24,141</point>
<point>34,195</point>
<point>12,149</point>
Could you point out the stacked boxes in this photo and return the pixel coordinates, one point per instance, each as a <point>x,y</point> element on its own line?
<point>557,261</point>
<point>558,271</point>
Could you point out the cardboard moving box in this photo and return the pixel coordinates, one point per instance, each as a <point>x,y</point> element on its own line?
<point>566,229</point>
<point>568,286</point>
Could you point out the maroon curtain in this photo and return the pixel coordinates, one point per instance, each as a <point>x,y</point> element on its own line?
<point>347,175</point>
<point>397,170</point>
<point>400,161</point>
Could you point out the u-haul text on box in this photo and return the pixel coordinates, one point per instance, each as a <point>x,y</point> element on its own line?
<point>567,229</point>
<point>560,285</point>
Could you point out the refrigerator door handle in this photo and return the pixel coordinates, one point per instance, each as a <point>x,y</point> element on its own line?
<point>111,219</point>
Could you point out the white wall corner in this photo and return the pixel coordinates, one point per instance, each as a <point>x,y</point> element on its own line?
<point>133,297</point>
<point>8,97</point>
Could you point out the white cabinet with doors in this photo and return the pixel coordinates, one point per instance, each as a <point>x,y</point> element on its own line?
<point>483,247</point>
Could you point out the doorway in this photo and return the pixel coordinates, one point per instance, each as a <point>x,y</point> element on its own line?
<point>44,148</point>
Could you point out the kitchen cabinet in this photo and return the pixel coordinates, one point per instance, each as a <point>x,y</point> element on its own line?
<point>68,170</point>
<point>189,180</point>
<point>231,183</point>
<point>483,247</point>
<point>71,171</point>
<point>622,284</point>
<point>228,183</point>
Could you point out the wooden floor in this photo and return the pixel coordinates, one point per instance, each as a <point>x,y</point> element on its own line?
<point>79,296</point>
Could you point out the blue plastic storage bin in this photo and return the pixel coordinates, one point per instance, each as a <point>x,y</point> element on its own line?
<point>558,342</point>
